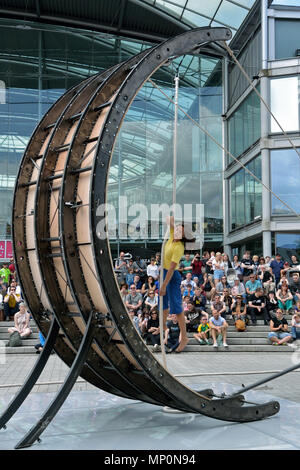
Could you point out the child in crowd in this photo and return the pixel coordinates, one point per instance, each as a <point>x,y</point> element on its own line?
<point>203,331</point>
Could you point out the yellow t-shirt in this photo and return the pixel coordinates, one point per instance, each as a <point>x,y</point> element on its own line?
<point>173,251</point>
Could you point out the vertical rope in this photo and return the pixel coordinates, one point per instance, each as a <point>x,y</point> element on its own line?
<point>167,234</point>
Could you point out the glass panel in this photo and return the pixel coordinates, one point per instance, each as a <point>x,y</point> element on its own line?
<point>231,14</point>
<point>285,180</point>
<point>206,8</point>
<point>285,104</point>
<point>287,38</point>
<point>175,10</point>
<point>240,198</point>
<point>194,19</point>
<point>294,3</point>
<point>288,244</point>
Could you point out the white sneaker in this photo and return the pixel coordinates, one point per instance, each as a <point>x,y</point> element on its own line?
<point>225,345</point>
<point>215,345</point>
<point>156,348</point>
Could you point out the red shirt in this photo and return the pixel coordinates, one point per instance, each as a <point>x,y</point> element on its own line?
<point>12,268</point>
<point>196,267</point>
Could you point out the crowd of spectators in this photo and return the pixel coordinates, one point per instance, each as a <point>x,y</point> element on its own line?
<point>214,290</point>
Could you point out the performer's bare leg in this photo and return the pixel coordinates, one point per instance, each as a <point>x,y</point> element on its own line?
<point>165,315</point>
<point>183,338</point>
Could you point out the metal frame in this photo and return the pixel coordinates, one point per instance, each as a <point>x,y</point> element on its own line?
<point>61,183</point>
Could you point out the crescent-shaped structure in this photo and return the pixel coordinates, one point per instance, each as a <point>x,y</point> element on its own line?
<point>63,258</point>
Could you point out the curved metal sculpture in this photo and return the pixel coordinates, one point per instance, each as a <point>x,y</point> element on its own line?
<point>64,265</point>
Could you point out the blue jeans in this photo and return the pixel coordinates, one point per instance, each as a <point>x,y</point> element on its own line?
<point>295,332</point>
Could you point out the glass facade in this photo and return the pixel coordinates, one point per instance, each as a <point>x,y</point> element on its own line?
<point>245,195</point>
<point>244,125</point>
<point>142,163</point>
<point>285,175</point>
<point>288,244</point>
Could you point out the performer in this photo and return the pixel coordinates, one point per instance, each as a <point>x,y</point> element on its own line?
<point>170,289</point>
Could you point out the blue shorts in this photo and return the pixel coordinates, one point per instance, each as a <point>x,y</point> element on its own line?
<point>218,273</point>
<point>279,335</point>
<point>173,299</point>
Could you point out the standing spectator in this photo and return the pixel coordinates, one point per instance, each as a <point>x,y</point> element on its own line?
<point>5,274</point>
<point>152,269</point>
<point>141,268</point>
<point>236,264</point>
<point>227,263</point>
<point>207,263</point>
<point>218,268</point>
<point>197,268</point>
<point>262,263</point>
<point>21,319</point>
<point>276,265</point>
<point>279,329</point>
<point>218,306</point>
<point>247,266</point>
<point>218,326</point>
<point>134,300</point>
<point>157,259</point>
<point>202,334</point>
<point>284,297</point>
<point>255,263</point>
<point>296,326</point>
<point>268,261</point>
<point>11,303</point>
<point>172,334</point>
<point>121,267</point>
<point>185,266</point>
<point>257,306</point>
<point>294,262</point>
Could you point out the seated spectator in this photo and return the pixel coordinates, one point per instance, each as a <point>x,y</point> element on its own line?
<point>297,307</point>
<point>197,268</point>
<point>282,279</point>
<point>196,282</point>
<point>40,345</point>
<point>203,331</point>
<point>296,326</point>
<point>218,326</point>
<point>188,291</point>
<point>295,286</point>
<point>12,268</point>
<point>208,286</point>
<point>138,283</point>
<point>279,329</point>
<point>236,264</point>
<point>239,309</point>
<point>153,269</point>
<point>134,319</point>
<point>21,319</point>
<point>124,291</point>
<point>238,289</point>
<point>284,297</point>
<point>186,299</point>
<point>11,303</point>
<point>268,261</point>
<point>271,303</point>
<point>188,280</point>
<point>251,285</point>
<point>151,300</point>
<point>134,300</point>
<point>267,280</point>
<point>295,264</point>
<point>143,322</point>
<point>149,284</point>
<point>172,334</point>
<point>223,284</point>
<point>257,306</point>
<point>228,300</point>
<point>227,263</point>
<point>14,284</point>
<point>153,331</point>
<point>285,269</point>
<point>218,306</point>
<point>192,318</point>
<point>199,300</point>
<point>262,264</point>
<point>129,279</point>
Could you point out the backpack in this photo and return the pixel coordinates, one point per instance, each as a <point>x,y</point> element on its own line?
<point>15,340</point>
<point>240,325</point>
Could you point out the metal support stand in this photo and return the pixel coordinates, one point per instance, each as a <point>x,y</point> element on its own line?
<point>33,376</point>
<point>35,432</point>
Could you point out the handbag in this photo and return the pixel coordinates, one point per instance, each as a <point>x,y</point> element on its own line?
<point>15,340</point>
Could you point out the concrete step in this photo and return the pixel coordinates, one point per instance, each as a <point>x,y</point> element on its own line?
<point>5,336</point>
<point>238,348</point>
<point>25,342</point>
